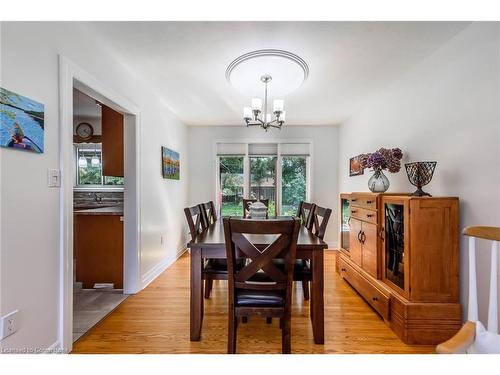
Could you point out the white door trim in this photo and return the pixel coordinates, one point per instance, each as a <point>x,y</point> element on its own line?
<point>70,76</point>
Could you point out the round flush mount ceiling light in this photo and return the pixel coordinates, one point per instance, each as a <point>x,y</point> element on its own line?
<point>288,70</point>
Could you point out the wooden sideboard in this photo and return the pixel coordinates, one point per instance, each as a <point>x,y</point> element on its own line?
<point>401,254</point>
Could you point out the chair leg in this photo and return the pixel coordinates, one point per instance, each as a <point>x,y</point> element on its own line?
<point>244,319</point>
<point>231,339</point>
<point>269,320</point>
<point>305,289</point>
<point>286,338</point>
<point>208,286</point>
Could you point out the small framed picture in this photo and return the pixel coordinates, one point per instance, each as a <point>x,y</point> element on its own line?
<point>355,167</point>
<point>170,164</point>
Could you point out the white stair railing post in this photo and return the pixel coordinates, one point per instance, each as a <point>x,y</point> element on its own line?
<point>472,314</point>
<point>493,303</point>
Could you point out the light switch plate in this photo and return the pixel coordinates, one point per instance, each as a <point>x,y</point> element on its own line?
<point>54,177</point>
<point>8,324</point>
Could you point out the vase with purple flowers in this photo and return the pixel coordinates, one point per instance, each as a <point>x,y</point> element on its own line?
<point>381,160</point>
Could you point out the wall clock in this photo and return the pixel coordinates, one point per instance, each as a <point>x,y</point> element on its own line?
<point>84,130</point>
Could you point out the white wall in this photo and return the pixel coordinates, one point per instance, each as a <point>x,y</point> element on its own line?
<point>323,167</point>
<point>447,108</point>
<point>30,210</point>
<point>94,121</point>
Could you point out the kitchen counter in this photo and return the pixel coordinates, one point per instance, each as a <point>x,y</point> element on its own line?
<point>113,210</point>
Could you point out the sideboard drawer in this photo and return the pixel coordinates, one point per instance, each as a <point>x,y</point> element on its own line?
<point>378,300</point>
<point>365,201</point>
<point>364,215</point>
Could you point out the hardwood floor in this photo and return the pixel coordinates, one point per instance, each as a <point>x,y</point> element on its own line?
<point>156,320</point>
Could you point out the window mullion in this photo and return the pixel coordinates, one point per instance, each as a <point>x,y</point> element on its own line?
<point>246,174</point>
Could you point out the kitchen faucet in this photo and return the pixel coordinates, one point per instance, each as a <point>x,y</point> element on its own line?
<point>97,197</point>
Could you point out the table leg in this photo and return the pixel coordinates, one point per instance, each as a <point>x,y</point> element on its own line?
<point>196,299</point>
<point>317,296</point>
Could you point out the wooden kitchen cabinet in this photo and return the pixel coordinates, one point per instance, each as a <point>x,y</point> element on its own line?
<point>98,249</point>
<point>112,142</point>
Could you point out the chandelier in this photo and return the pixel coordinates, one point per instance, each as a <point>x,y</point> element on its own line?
<point>258,116</point>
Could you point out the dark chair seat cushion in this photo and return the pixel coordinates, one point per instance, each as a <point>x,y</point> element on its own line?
<point>259,298</point>
<point>301,268</point>
<point>220,265</point>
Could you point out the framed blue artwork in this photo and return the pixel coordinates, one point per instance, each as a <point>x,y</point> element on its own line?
<point>21,122</point>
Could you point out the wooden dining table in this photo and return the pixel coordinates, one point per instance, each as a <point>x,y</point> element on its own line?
<point>211,244</point>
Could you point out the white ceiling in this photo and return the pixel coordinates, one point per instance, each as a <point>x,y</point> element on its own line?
<point>84,106</point>
<point>348,61</point>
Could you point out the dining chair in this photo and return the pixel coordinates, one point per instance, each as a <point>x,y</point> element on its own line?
<point>248,202</point>
<point>319,221</point>
<point>260,288</point>
<point>213,269</point>
<point>305,213</point>
<point>209,215</point>
<point>195,221</point>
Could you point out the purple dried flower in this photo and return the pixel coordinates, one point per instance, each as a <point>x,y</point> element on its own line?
<point>383,158</point>
<point>398,154</point>
<point>376,160</point>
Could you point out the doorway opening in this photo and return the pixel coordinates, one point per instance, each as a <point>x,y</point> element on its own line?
<point>98,212</point>
<point>96,175</point>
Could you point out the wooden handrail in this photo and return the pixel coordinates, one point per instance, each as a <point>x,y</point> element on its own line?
<point>487,233</point>
<point>459,343</point>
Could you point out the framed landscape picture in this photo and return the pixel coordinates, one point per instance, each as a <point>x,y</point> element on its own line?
<point>21,122</point>
<point>170,164</point>
<point>355,168</point>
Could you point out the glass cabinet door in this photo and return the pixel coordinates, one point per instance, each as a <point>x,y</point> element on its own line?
<point>344,226</point>
<point>394,243</point>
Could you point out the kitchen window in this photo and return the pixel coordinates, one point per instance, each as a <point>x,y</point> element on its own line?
<point>89,168</point>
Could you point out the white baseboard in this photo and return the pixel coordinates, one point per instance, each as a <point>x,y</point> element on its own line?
<point>157,270</point>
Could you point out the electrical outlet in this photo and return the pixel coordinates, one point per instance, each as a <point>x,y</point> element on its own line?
<point>9,324</point>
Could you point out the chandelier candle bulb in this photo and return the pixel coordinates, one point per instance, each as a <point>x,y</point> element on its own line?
<point>278,105</point>
<point>247,113</point>
<point>282,116</point>
<point>257,104</point>
<point>268,117</point>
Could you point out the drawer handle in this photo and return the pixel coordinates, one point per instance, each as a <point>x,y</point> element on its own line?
<point>369,202</point>
<point>343,269</point>
<point>354,211</point>
<point>375,299</point>
<point>353,200</point>
<point>369,215</point>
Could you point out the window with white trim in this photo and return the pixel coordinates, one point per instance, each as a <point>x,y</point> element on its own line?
<point>278,172</point>
<point>88,157</point>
